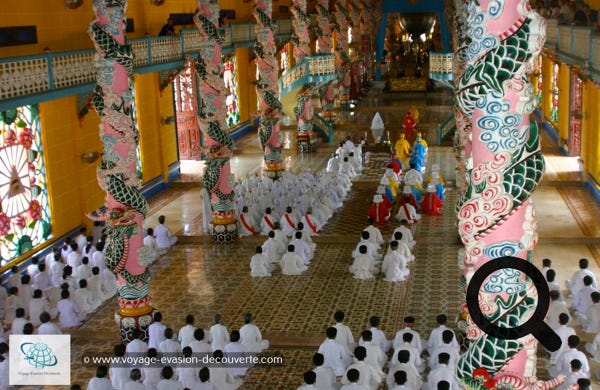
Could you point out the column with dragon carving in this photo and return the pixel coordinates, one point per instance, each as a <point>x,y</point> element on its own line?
<point>126,208</point>
<point>341,50</point>
<point>303,110</point>
<point>496,215</point>
<point>267,88</point>
<point>218,142</point>
<point>327,91</point>
<point>354,24</point>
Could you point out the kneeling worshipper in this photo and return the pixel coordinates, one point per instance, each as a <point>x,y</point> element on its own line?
<point>372,247</point>
<point>291,263</point>
<point>312,225</point>
<point>301,248</point>
<point>247,225</point>
<point>431,204</point>
<point>268,222</point>
<point>288,222</point>
<point>390,189</point>
<point>402,147</point>
<point>381,190</point>
<point>378,211</point>
<point>408,212</point>
<point>438,181</point>
<point>363,266</point>
<point>259,264</point>
<point>408,197</point>
<point>394,265</point>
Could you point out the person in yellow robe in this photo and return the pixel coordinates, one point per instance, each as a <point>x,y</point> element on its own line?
<point>402,147</point>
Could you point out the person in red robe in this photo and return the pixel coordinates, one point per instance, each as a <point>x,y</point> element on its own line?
<point>378,210</point>
<point>407,196</point>
<point>409,124</point>
<point>387,201</point>
<point>432,204</point>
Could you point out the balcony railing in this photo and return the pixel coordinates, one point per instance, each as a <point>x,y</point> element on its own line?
<point>23,77</point>
<point>441,66</point>
<point>314,69</point>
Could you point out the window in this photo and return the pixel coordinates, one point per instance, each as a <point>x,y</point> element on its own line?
<point>24,207</point>
<point>231,100</point>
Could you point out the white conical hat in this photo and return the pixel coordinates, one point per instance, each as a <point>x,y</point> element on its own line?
<point>377,122</point>
<point>381,190</point>
<point>384,180</point>
<point>378,199</point>
<point>407,190</point>
<point>435,168</point>
<point>430,188</point>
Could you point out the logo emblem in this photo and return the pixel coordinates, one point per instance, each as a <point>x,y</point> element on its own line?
<point>38,355</point>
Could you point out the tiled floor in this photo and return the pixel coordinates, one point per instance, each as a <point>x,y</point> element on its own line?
<point>204,279</point>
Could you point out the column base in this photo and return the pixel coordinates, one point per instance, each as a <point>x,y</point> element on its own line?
<point>224,233</point>
<point>127,323</point>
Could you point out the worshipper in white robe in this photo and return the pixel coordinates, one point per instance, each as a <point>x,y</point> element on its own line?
<point>407,236</point>
<point>394,265</point>
<point>574,376</point>
<point>401,363</point>
<point>19,321</point>
<point>3,296</point>
<point>408,212</point>
<point>47,327</point>
<point>288,222</point>
<point>137,345</point>
<point>74,258</point>
<point>375,235</point>
<point>32,269</point>
<point>188,376</point>
<point>583,297</point>
<point>151,374</point>
<point>443,372</point>
<point>42,278</point>
<point>268,222</point>
<point>206,210</point>
<point>204,382</point>
<point>347,169</point>
<point>591,322</point>
<point>221,376</point>
<point>89,248</point>
<point>186,332</point>
<point>81,239</point>
<point>260,266</point>
<point>84,271</point>
<point>415,358</point>
<point>403,249</point>
<point>109,283</point>
<point>325,377</point>
<point>435,337</point>
<point>413,178</point>
<point>553,284</point>
<point>564,332</point>
<point>38,305</point>
<point>576,282</point>
<point>199,345</point>
<point>333,164</point>
<point>169,344</point>
<point>233,348</point>
<point>247,225</point>
<point>95,286</point>
<point>56,271</point>
<point>83,299</point>
<point>218,334</point>
<point>376,358</point>
<point>156,331</point>
<point>379,336</point>
<point>150,242</point>
<point>377,127</point>
<point>306,238</point>
<point>334,353</point>
<point>100,381</point>
<point>119,375</point>
<point>169,382</point>
<point>409,324</point>
<point>363,266</point>
<point>593,348</point>
<point>301,248</point>
<point>274,249</point>
<point>312,225</point>
<point>340,151</point>
<point>449,346</point>
<point>344,333</point>
<point>310,379</point>
<point>68,316</point>
<point>135,382</point>
<point>25,292</point>
<point>164,238</point>
<point>371,247</point>
<point>4,366</point>
<point>555,308</point>
<point>12,302</point>
<point>251,337</point>
<point>563,364</point>
<point>368,376</point>
<point>291,263</point>
<point>98,257</point>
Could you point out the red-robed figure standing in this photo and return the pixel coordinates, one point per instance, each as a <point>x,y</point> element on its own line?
<point>432,204</point>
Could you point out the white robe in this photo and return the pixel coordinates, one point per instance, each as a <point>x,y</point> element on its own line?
<point>222,378</point>
<point>218,337</point>
<point>368,376</point>
<point>325,378</point>
<point>186,335</point>
<point>48,328</point>
<point>247,225</point>
<point>236,349</point>
<point>292,264</point>
<point>302,249</point>
<point>36,307</point>
<point>441,373</point>
<point>260,266</point>
<point>274,249</point>
<point>164,237</point>
<point>156,334</point>
<point>67,314</point>
<point>288,224</point>
<point>344,336</point>
<point>363,267</point>
<point>416,341</point>
<point>394,267</point>
<point>99,384</point>
<point>251,338</point>
<point>267,224</point>
<point>375,235</point>
<point>407,236</point>
<point>576,282</point>
<point>335,356</point>
<point>407,212</point>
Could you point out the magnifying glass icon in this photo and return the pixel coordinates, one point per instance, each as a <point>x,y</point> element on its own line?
<point>535,325</point>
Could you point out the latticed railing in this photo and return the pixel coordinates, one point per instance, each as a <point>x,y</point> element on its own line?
<point>447,127</point>
<point>37,74</point>
<point>441,66</point>
<point>315,68</point>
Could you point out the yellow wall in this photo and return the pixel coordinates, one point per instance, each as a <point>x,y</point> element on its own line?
<point>546,87</point>
<point>591,138</point>
<point>243,68</point>
<point>167,133</point>
<point>74,191</point>
<point>564,83</point>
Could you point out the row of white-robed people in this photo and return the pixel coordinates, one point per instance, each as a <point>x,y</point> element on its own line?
<point>341,361</point>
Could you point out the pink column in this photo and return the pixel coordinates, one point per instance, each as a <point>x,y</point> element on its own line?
<point>218,142</point>
<point>503,166</point>
<point>342,59</point>
<point>125,206</point>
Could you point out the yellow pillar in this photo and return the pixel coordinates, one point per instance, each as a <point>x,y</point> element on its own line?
<point>242,66</point>
<point>564,85</point>
<point>590,139</point>
<point>546,103</point>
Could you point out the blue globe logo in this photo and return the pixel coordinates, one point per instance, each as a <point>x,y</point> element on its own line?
<point>38,355</point>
